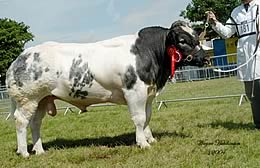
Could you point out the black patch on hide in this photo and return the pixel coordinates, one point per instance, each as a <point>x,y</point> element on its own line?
<point>36,57</point>
<point>80,77</point>
<point>24,72</point>
<point>47,69</point>
<point>58,73</point>
<point>129,77</point>
<point>152,62</point>
<point>19,69</point>
<point>153,65</point>
<point>36,69</point>
<point>80,94</point>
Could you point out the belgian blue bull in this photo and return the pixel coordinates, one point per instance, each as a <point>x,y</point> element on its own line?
<point>128,70</point>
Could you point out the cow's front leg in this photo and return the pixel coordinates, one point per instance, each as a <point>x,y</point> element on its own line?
<point>139,120</point>
<point>21,122</point>
<point>147,130</point>
<point>136,100</point>
<point>148,134</point>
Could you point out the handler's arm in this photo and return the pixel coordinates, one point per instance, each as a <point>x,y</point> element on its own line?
<point>224,31</point>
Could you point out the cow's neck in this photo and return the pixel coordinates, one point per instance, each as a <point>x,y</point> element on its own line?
<point>152,63</point>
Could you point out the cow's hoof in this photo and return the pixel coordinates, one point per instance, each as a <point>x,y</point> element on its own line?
<point>152,140</point>
<point>24,154</point>
<point>144,145</point>
<point>39,152</point>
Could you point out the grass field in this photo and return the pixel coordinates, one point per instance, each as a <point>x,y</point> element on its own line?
<point>206,133</point>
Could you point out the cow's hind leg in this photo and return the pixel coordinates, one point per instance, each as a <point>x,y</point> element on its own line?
<point>36,125</point>
<point>22,118</point>
<point>136,100</point>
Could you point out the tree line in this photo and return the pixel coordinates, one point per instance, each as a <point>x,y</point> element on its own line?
<point>13,37</point>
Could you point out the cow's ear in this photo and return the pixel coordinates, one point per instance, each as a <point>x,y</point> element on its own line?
<point>178,24</point>
<point>171,38</point>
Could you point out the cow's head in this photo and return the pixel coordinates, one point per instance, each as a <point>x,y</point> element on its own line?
<point>185,40</point>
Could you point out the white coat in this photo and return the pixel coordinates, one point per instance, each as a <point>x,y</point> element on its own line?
<point>243,23</point>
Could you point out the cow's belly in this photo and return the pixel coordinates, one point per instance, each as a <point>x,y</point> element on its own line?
<point>83,96</point>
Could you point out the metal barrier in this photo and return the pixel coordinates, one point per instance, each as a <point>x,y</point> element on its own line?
<point>224,62</point>
<point>163,102</point>
<point>4,107</point>
<point>3,93</point>
<point>189,73</point>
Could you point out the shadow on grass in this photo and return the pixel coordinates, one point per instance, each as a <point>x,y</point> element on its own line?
<point>230,125</point>
<point>121,140</point>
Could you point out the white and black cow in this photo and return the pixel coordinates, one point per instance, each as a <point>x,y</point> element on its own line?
<point>127,70</point>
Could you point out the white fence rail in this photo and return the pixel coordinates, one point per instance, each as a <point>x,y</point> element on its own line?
<point>164,102</point>
<point>3,93</point>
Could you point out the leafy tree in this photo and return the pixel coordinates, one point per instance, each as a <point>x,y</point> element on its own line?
<point>195,12</point>
<point>13,36</point>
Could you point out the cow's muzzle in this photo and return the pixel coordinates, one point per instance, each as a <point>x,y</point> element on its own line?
<point>196,49</point>
<point>200,57</point>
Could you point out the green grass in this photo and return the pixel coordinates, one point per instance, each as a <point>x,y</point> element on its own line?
<point>206,133</point>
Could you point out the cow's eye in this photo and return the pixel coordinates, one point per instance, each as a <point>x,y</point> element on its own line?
<point>182,41</point>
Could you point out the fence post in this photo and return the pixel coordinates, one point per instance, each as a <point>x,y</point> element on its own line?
<point>243,96</point>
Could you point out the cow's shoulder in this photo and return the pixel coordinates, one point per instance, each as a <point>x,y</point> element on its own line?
<point>149,48</point>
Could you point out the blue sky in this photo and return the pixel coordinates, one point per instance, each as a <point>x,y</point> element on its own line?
<point>90,20</point>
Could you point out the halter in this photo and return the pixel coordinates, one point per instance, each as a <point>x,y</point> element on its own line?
<point>176,57</point>
<point>203,34</point>
<point>194,51</point>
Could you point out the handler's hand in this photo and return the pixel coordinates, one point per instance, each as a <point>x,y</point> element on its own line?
<point>212,18</point>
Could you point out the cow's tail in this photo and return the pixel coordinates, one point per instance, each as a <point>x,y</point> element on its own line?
<point>12,109</point>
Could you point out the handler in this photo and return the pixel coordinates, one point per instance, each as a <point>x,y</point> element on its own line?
<point>244,21</point>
